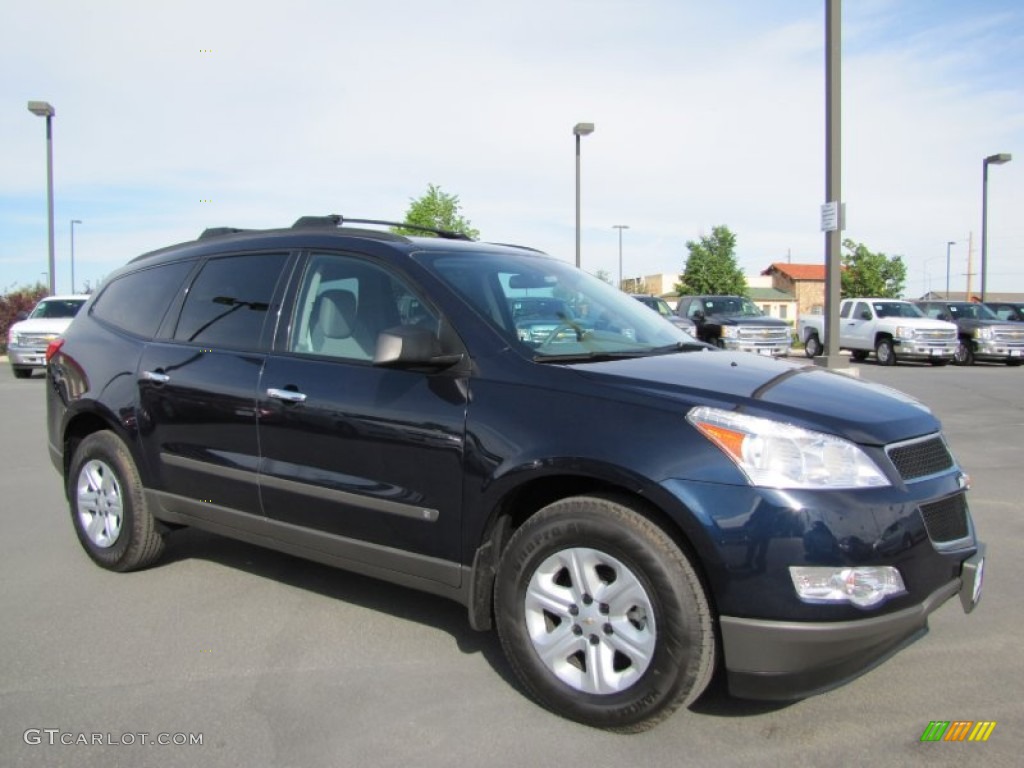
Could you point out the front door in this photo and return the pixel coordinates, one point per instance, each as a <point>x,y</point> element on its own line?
<point>366,459</point>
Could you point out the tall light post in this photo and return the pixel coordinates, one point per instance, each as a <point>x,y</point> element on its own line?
<point>620,227</point>
<point>73,222</point>
<point>948,244</point>
<point>580,129</point>
<point>1002,157</point>
<point>45,109</point>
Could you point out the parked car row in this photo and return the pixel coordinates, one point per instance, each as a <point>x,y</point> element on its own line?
<point>938,332</point>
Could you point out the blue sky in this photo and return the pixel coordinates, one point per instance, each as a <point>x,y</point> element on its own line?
<point>705,113</point>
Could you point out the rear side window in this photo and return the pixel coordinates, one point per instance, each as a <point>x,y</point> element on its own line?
<point>136,302</point>
<point>230,300</point>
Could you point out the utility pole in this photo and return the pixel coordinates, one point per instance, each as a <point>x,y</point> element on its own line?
<point>970,263</point>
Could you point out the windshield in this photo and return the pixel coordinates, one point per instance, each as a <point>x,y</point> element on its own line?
<point>548,309</point>
<point>971,310</point>
<point>896,309</point>
<point>731,306</point>
<point>50,308</point>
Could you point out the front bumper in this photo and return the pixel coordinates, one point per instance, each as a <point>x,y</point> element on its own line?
<point>27,357</point>
<point>789,659</point>
<point>996,350</point>
<point>912,349</point>
<point>768,350</point>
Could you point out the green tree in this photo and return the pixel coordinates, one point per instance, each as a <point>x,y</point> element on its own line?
<point>871,274</point>
<point>438,210</point>
<point>711,266</point>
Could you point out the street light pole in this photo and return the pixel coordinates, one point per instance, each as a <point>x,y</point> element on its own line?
<point>1002,157</point>
<point>73,222</point>
<point>45,109</point>
<point>620,227</point>
<point>580,129</point>
<point>951,242</point>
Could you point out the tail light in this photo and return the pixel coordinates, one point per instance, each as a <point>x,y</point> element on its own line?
<point>53,348</point>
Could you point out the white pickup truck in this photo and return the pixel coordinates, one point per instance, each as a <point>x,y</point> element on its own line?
<point>892,329</point>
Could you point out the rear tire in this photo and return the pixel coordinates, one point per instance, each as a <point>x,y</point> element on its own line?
<point>602,616</point>
<point>108,505</point>
<point>885,352</point>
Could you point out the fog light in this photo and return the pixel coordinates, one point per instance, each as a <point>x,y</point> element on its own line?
<point>865,587</point>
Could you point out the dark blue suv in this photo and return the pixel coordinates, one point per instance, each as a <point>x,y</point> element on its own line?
<point>630,509</point>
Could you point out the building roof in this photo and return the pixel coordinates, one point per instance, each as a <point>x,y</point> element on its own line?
<point>769,294</point>
<point>798,271</point>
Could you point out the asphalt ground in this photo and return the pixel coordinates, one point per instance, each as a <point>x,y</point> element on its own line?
<point>273,661</point>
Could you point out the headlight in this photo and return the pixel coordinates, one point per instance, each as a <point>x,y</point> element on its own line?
<point>983,333</point>
<point>773,454</point>
<point>864,587</point>
<point>730,332</point>
<point>903,332</point>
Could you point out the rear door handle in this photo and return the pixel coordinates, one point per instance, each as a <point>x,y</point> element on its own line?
<point>156,377</point>
<point>288,395</point>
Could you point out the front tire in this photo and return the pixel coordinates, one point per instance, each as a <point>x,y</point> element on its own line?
<point>964,354</point>
<point>885,353</point>
<point>812,347</point>
<point>602,616</point>
<point>20,372</point>
<point>108,505</point>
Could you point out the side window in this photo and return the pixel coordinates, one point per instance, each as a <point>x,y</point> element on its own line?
<point>136,302</point>
<point>693,309</point>
<point>344,303</point>
<point>229,301</point>
<point>931,310</point>
<point>859,309</point>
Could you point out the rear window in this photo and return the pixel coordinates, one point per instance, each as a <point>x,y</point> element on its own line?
<point>136,302</point>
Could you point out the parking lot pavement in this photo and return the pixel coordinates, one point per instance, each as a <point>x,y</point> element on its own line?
<point>274,661</point>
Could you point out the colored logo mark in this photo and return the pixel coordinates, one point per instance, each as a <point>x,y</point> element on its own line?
<point>958,730</point>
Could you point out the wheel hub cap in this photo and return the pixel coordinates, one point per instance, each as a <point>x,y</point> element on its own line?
<point>590,620</point>
<point>100,508</point>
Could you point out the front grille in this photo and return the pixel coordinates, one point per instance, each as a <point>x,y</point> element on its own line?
<point>936,334</point>
<point>34,339</point>
<point>921,458</point>
<point>764,334</point>
<point>1009,335</point>
<point>946,520</point>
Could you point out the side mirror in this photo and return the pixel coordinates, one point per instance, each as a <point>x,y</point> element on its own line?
<point>698,316</point>
<point>22,315</point>
<point>409,346</point>
<point>865,314</point>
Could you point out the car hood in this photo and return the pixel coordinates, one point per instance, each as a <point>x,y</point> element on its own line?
<point>54,325</point>
<point>772,322</point>
<point>923,323</point>
<point>797,393</point>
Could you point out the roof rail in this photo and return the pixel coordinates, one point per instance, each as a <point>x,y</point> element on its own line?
<point>220,232</point>
<point>334,220</point>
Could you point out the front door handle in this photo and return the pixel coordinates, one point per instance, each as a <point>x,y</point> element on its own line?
<point>288,395</point>
<point>156,377</point>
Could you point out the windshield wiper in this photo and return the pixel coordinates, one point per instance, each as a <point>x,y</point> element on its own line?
<point>589,357</point>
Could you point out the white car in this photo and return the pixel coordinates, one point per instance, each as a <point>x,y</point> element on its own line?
<point>27,340</point>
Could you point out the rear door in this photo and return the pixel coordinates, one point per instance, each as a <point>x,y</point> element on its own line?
<point>366,461</point>
<point>197,388</point>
